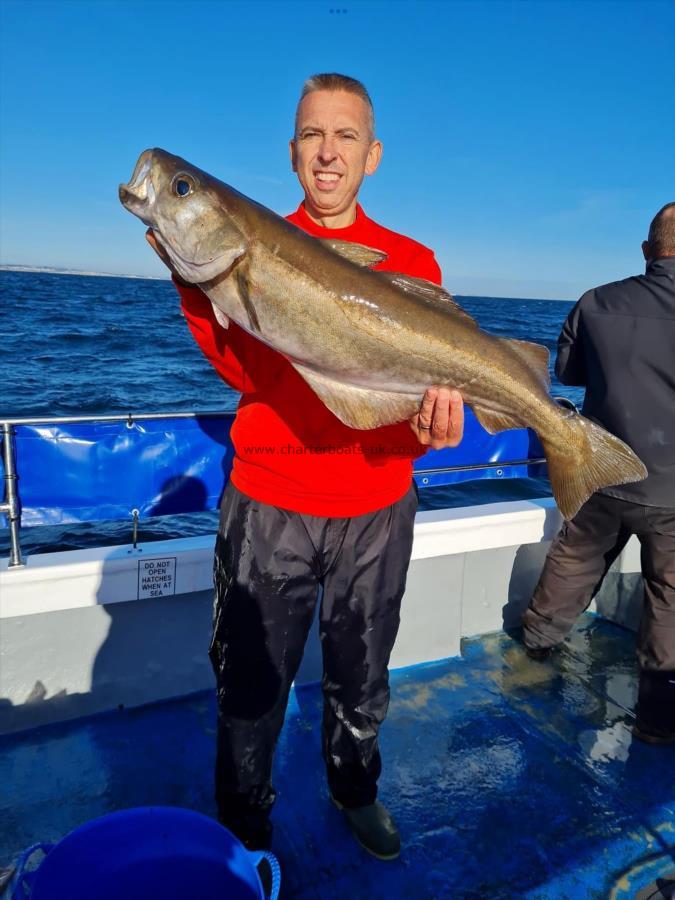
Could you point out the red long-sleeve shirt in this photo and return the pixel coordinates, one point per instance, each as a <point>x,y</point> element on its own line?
<point>290,450</point>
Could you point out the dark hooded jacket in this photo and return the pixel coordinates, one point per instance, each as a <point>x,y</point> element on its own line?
<point>619,343</point>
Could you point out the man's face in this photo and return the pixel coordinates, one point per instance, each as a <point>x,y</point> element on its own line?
<point>333,150</point>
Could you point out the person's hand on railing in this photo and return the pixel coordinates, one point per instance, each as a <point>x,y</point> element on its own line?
<point>440,420</point>
<point>163,255</point>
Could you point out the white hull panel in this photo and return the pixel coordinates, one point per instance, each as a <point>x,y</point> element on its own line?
<point>90,630</point>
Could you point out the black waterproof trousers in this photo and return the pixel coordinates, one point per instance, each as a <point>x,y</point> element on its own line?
<point>269,565</point>
<point>575,566</point>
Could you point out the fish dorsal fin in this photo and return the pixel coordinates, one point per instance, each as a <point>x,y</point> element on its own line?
<point>535,356</point>
<point>359,254</point>
<point>493,421</point>
<point>359,407</point>
<point>429,291</point>
<point>221,318</point>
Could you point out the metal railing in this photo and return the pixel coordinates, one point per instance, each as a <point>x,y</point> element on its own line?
<point>482,467</point>
<point>129,418</point>
<point>11,507</point>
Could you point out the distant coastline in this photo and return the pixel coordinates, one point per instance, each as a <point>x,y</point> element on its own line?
<point>51,270</point>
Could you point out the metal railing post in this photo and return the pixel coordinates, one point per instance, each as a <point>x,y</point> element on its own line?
<point>12,505</point>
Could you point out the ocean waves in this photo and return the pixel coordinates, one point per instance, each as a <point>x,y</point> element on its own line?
<point>87,345</point>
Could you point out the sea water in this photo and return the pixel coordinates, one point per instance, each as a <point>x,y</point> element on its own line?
<point>89,345</point>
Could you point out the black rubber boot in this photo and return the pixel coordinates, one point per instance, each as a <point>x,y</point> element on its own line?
<point>253,830</point>
<point>655,710</point>
<point>539,653</point>
<point>373,828</point>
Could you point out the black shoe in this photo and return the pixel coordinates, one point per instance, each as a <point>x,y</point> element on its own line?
<point>652,735</point>
<point>655,708</point>
<point>373,828</point>
<point>253,835</point>
<point>539,653</point>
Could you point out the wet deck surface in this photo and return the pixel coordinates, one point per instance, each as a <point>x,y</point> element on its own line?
<point>508,778</point>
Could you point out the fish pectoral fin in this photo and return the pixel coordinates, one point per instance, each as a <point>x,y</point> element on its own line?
<point>221,318</point>
<point>359,254</point>
<point>535,356</point>
<point>429,291</point>
<point>493,421</point>
<point>358,407</point>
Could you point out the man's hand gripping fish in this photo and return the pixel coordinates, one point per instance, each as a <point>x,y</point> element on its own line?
<point>368,343</point>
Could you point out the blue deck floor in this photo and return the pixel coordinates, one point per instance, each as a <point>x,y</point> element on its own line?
<point>509,778</point>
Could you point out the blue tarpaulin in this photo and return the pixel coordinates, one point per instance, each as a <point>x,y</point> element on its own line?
<point>494,453</point>
<point>91,471</point>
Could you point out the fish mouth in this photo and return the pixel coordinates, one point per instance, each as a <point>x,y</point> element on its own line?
<point>138,194</point>
<point>142,196</point>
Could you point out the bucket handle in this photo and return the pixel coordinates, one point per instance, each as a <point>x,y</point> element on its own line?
<point>256,856</point>
<point>22,878</point>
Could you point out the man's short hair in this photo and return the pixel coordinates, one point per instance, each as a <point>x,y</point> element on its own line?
<point>333,81</point>
<point>661,238</point>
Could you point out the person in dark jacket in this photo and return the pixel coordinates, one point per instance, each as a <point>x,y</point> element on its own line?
<point>619,343</point>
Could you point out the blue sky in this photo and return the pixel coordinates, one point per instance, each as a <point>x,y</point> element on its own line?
<point>528,143</point>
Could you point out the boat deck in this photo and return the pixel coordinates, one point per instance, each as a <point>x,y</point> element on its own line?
<point>508,778</point>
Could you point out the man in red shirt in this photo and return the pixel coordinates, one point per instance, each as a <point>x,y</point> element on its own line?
<point>312,503</point>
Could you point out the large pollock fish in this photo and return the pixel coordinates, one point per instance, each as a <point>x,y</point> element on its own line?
<point>368,343</point>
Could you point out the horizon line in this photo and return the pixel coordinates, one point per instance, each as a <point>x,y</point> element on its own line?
<point>60,270</point>
<point>56,270</point>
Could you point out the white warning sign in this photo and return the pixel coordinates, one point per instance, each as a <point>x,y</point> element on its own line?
<point>156,577</point>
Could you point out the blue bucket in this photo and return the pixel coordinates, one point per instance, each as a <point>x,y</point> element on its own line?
<point>155,851</point>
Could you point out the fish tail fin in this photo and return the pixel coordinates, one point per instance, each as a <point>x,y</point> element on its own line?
<point>586,459</point>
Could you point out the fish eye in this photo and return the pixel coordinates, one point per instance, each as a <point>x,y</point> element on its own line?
<point>182,185</point>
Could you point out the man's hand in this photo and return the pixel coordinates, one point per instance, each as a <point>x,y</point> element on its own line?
<point>163,255</point>
<point>156,246</point>
<point>440,421</point>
